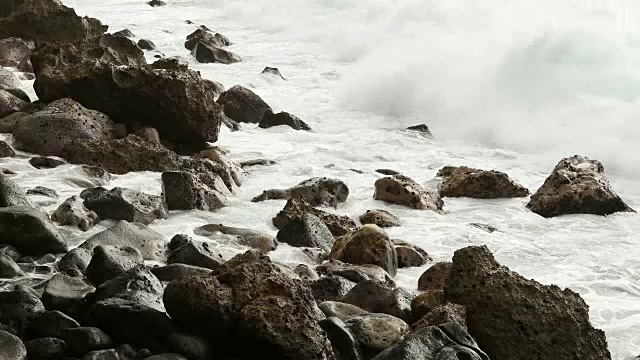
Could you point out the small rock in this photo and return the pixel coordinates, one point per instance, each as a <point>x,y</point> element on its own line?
<point>435,277</point>
<point>260,241</point>
<point>316,191</point>
<point>204,36</point>
<point>6,150</point>
<point>146,44</point>
<point>410,255</point>
<point>8,268</point>
<point>30,231</point>
<point>442,314</point>
<point>387,172</point>
<point>124,33</point>
<point>257,162</point>
<point>43,191</point>
<point>154,3</point>
<point>356,273</point>
<point>243,105</point>
<point>381,218</point>
<point>64,292</point>
<point>422,129</point>
<point>269,119</point>
<point>11,347</point>
<point>191,346</point>
<point>126,204</point>
<point>376,332</point>
<point>46,349</point>
<point>485,227</point>
<point>17,307</point>
<point>425,302</point>
<point>185,191</point>
<point>330,288</point>
<point>308,231</point>
<point>368,245</point>
<point>50,324</point>
<point>209,54</point>
<point>273,71</point>
<point>11,194</point>
<point>196,254</point>
<point>340,310</point>
<point>305,272</point>
<point>297,206</point>
<point>41,162</point>
<point>381,298</point>
<point>72,212</point>
<point>110,261</point>
<point>481,184</point>
<point>175,271</point>
<point>402,190</point>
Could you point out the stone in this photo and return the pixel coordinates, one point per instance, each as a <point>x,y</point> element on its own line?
<point>15,52</point>
<point>45,162</point>
<point>257,240</point>
<point>577,185</point>
<point>422,304</point>
<point>305,272</point>
<point>9,79</point>
<point>340,310</point>
<point>46,349</point>
<point>185,191</point>
<point>82,340</point>
<point>11,347</point>
<point>50,324</point>
<point>421,129</point>
<point>137,284</point>
<point>381,218</point>
<point>435,277</point>
<point>75,261</point>
<point>191,346</point>
<point>464,181</point>
<point>209,54</point>
<point>410,255</point>
<point>404,191</point>
<point>9,103</point>
<point>356,273</point>
<point>30,231</point>
<point>145,44</point>
<point>273,71</point>
<point>330,288</point>
<point>20,94</point>
<point>174,271</point>
<point>376,332</point>
<point>316,191</point>
<point>64,292</point>
<point>297,206</point>
<point>243,105</point>
<point>257,162</point>
<point>484,227</point>
<point>109,354</point>
<point>368,245</point>
<point>205,37</point>
<point>11,194</point>
<point>149,134</point>
<point>269,119</point>
<point>308,231</point>
<point>513,318</point>
<point>126,204</point>
<point>196,254</point>
<point>48,131</point>
<point>10,251</point>
<point>442,314</point>
<point>155,3</point>
<point>344,344</point>
<point>43,191</point>
<point>215,161</point>
<point>17,307</point>
<point>72,212</point>
<point>381,298</point>
<point>124,33</point>
<point>110,261</point>
<point>8,268</point>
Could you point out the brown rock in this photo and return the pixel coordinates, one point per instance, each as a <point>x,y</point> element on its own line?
<point>282,118</point>
<point>316,191</point>
<point>297,206</point>
<point>435,277</point>
<point>402,190</point>
<point>243,105</point>
<point>425,302</point>
<point>382,218</point>
<point>442,314</point>
<point>368,245</point>
<point>482,184</point>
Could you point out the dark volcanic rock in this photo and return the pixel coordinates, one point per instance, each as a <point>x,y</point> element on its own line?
<point>11,194</point>
<point>210,54</point>
<point>442,314</point>
<point>344,344</point>
<point>482,184</point>
<point>269,119</point>
<point>15,52</point>
<point>46,349</point>
<point>203,36</point>
<point>150,243</point>
<point>435,277</point>
<point>50,324</point>
<point>298,206</point>
<point>137,284</point>
<point>124,33</point>
<point>243,105</point>
<point>257,162</point>
<point>30,231</point>
<point>110,261</point>
<point>422,304</point>
<point>72,212</point>
<point>410,255</point>
<point>196,254</point>
<point>316,191</point>
<point>11,347</point>
<point>8,268</point>
<point>43,162</point>
<point>422,129</point>
<point>17,307</point>
<point>43,191</point>
<point>577,185</point>
<point>82,340</point>
<point>356,273</point>
<point>64,292</point>
<point>154,3</point>
<point>514,318</point>
<point>382,218</point>
<point>145,44</point>
<point>381,298</point>
<point>368,245</point>
<point>340,310</point>
<point>402,190</point>
<point>127,204</point>
<point>273,71</point>
<point>10,104</point>
<point>175,271</point>
<point>108,354</point>
<point>376,332</point>
<point>308,231</point>
<point>330,288</point>
<point>258,240</point>
<point>75,261</point>
<point>192,346</point>
<point>185,191</point>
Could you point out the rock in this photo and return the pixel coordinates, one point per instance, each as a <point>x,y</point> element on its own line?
<point>48,131</point>
<point>9,79</point>
<point>485,227</point>
<point>512,317</point>
<point>410,255</point>
<point>185,191</point>
<point>154,3</point>
<point>442,314</point>
<point>269,119</point>
<point>109,354</point>
<point>167,356</point>
<point>42,162</point>
<point>344,344</point>
<point>340,310</point>
<point>75,261</point>
<point>205,37</point>
<point>196,254</point>
<point>43,191</point>
<point>330,288</point>
<point>9,103</point>
<point>435,277</point>
<point>376,332</point>
<point>50,324</point>
<point>110,261</point>
<point>17,307</point>
<point>124,33</point>
<point>381,218</point>
<point>126,204</point>
<point>316,191</point>
<point>11,347</point>
<point>30,231</point>
<point>422,304</point>
<point>64,292</point>
<point>381,298</point>
<point>356,273</point>
<point>20,94</point>
<point>305,272</point>
<point>175,101</point>
<point>422,129</point>
<point>150,243</point>
<point>230,172</point>
<point>46,349</point>
<point>243,105</point>
<point>145,44</point>
<point>10,251</point>
<point>257,162</point>
<point>368,245</point>
<point>308,231</point>
<point>388,172</point>
<point>11,194</point>
<point>15,52</point>
<point>297,206</point>
<point>481,184</point>
<point>191,346</point>
<point>445,342</point>
<point>250,298</point>
<point>137,284</point>
<point>577,185</point>
<point>402,190</point>
<point>82,340</point>
<point>174,271</point>
<point>8,268</point>
<point>210,54</point>
<point>72,212</point>
<point>273,71</point>
<point>260,241</point>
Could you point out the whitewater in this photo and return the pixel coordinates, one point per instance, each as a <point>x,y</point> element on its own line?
<point>511,85</point>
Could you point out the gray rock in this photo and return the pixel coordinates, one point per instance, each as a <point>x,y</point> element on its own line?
<point>124,33</point>
<point>126,204</point>
<point>42,162</point>
<point>17,307</point>
<point>30,231</point>
<point>191,346</point>
<point>425,302</point>
<point>204,36</point>
<point>481,184</point>
<point>155,3</point>
<point>75,261</point>
<point>150,134</point>
<point>43,191</point>
<point>8,268</point>
<point>376,332</point>
<point>343,311</point>
<point>273,71</point>
<point>185,191</point>
<point>196,254</point>
<point>9,79</point>
<point>367,245</point>
<point>50,324</point>
<point>344,344</point>
<point>316,191</point>
<point>82,340</point>
<point>297,206</point>
<point>11,194</point>
<point>330,288</point>
<point>10,251</point>
<point>305,272</point>
<point>11,347</point>
<point>138,285</point>
<point>109,261</point>
<point>257,240</point>
<point>175,271</point>
<point>150,243</point>
<point>435,277</point>
<point>6,150</point>
<point>19,93</point>
<point>109,354</point>
<point>209,54</point>
<point>269,119</point>
<point>356,273</point>
<point>64,292</point>
<point>380,298</point>
<point>382,218</point>
<point>46,349</point>
<point>145,44</point>
<point>307,231</point>
<point>402,190</point>
<point>243,105</point>
<point>442,314</point>
<point>72,212</point>
<point>410,255</point>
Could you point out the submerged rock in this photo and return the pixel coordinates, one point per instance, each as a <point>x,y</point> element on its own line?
<point>11,347</point>
<point>145,44</point>
<point>421,129</point>
<point>298,206</point>
<point>368,245</point>
<point>43,191</point>
<point>269,119</point>
<point>482,184</point>
<point>273,71</point>
<point>402,190</point>
<point>45,162</point>
<point>243,105</point>
<point>308,231</point>
<point>126,204</point>
<point>316,191</point>
<point>30,231</point>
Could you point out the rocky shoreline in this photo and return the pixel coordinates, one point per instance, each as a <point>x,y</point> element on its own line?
<point>130,293</point>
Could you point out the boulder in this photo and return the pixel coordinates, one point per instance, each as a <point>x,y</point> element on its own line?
<point>126,204</point>
<point>344,344</point>
<point>272,71</point>
<point>43,191</point>
<point>11,347</point>
<point>196,254</point>
<point>110,261</point>
<point>185,191</point>
<point>435,277</point>
<point>72,212</point>
<point>8,268</point>
<point>376,297</point>
<point>20,94</point>
<point>82,340</point>
<point>340,310</point>
<point>9,79</point>
<point>145,44</point>
<point>171,272</point>
<point>422,304</point>
<point>356,273</point>
<point>46,349</point>
<point>269,119</point>
<point>10,104</point>
<point>214,161</point>
<point>381,218</point>
<point>205,37</point>
<point>442,314</point>
<point>64,293</point>
<point>17,307</point>
<point>307,231</point>
<point>464,181</point>
<point>124,33</point>
<point>44,162</point>
<point>305,272</point>
<point>297,206</point>
<point>75,262</point>
<point>330,288</point>
<point>577,185</point>
<point>210,54</point>
<point>402,190</point>
<point>50,324</point>
<point>316,191</point>
<point>150,243</point>
<point>514,318</point>
<point>257,240</point>
<point>257,162</point>
<point>243,105</point>
<point>368,245</point>
<point>15,52</point>
<point>11,194</point>
<point>422,129</point>
<point>376,332</point>
<point>30,231</point>
<point>410,255</point>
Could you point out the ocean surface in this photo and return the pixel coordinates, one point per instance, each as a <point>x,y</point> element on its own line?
<point>511,85</point>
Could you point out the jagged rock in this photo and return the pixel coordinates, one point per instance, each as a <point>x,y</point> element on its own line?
<point>30,231</point>
<point>482,184</point>
<point>382,218</point>
<point>422,304</point>
<point>344,344</point>
<point>232,174</point>
<point>191,346</point>
<point>435,277</point>
<point>10,103</point>
<point>577,185</point>
<point>297,206</point>
<point>8,268</point>
<point>410,255</point>
<point>64,292</point>
<point>484,227</point>
<point>174,271</point>
<point>48,131</point>
<point>110,261</point>
<point>145,44</point>
<point>210,54</point>
<point>422,129</point>
<point>308,231</point>
<point>11,194</point>
<point>250,299</point>
<point>196,254</point>
<point>356,273</point>
<point>17,307</point>
<point>442,314</point>
<point>46,349</point>
<point>82,340</point>
<point>9,79</point>
<point>377,297</point>
<point>273,71</point>
<point>14,52</point>
<point>43,162</point>
<point>150,243</point>
<point>185,191</point>
<point>330,288</point>
<point>124,33</point>
<point>368,245</point>
<point>340,310</point>
<point>11,347</point>
<point>243,105</point>
<point>201,35</point>
<point>269,119</point>
<point>50,324</point>
<point>376,332</point>
<point>43,191</point>
<point>72,212</point>
<point>402,190</point>
<point>316,191</point>
<point>75,262</point>
<point>514,318</point>
<point>257,240</point>
<point>126,204</point>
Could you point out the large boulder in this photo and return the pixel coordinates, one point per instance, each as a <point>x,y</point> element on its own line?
<point>48,131</point>
<point>72,212</point>
<point>10,104</point>
<point>11,347</point>
<point>515,318</point>
<point>316,191</point>
<point>123,233</point>
<point>249,299</point>
<point>175,101</point>
<point>125,204</point>
<point>183,190</point>
<point>297,206</point>
<point>368,245</point>
<point>30,231</point>
<point>11,194</point>
<point>308,231</point>
<point>475,183</point>
<point>577,185</point>
<point>17,307</point>
<point>402,190</point>
<point>243,105</point>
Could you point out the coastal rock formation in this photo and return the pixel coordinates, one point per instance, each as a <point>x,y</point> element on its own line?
<point>402,190</point>
<point>185,191</point>
<point>481,184</point>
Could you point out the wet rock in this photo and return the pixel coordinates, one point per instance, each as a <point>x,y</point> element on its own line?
<point>82,340</point>
<point>43,191</point>
<point>305,272</point>
<point>72,212</point>
<point>19,93</point>
<point>42,162</point>
<point>64,292</point>
<point>174,271</point>
<point>46,349</point>
<point>109,354</point>
<point>330,288</point>
<point>232,174</point>
<point>17,307</point>
<point>210,54</point>
<point>48,131</point>
<point>258,240</point>
<point>155,3</point>
<point>9,79</point>
<point>485,227</point>
<point>205,37</point>
<point>273,71</point>
<point>145,44</point>
<point>577,185</point>
<point>257,162</point>
<point>30,231</point>
<point>14,52</point>
<point>185,191</point>
<point>11,194</point>
<point>410,255</point>
<point>11,347</point>
<point>191,346</point>
<point>243,105</point>
<point>308,231</point>
<point>442,314</point>
<point>75,261</point>
<point>368,245</point>
<point>10,251</point>
<point>402,190</point>
<point>376,332</point>
<point>124,33</point>
<point>512,317</point>
<point>10,103</point>
<point>381,298</point>
<point>435,277</point>
<point>344,344</point>
<point>481,184</point>
<point>382,218</point>
<point>8,268</point>
<point>250,298</point>
<point>422,129</point>
<point>316,191</point>
<point>269,119</point>
<point>340,310</point>
<point>356,273</point>
<point>422,304</point>
<point>110,261</point>
<point>50,324</point>
<point>137,284</point>
<point>297,206</point>
<point>126,204</point>
<point>150,243</point>
<point>196,254</point>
